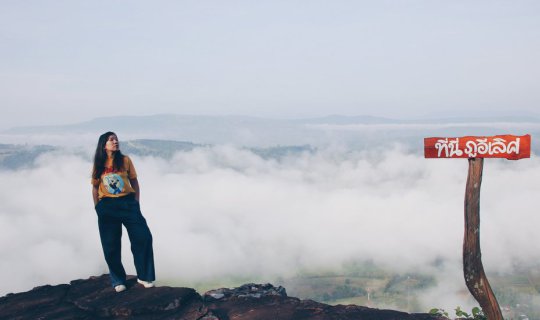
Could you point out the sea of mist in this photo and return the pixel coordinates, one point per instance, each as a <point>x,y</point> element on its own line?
<point>222,211</point>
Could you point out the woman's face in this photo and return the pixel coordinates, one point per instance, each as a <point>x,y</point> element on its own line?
<point>112,144</point>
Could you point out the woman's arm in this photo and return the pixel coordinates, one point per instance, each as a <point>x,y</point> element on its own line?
<point>135,185</point>
<point>95,194</point>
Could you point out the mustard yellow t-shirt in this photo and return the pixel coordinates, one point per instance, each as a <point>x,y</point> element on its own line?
<point>116,183</point>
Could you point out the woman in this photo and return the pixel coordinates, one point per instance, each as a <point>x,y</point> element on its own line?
<point>116,199</point>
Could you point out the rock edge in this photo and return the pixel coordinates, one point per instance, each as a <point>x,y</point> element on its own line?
<point>93,298</point>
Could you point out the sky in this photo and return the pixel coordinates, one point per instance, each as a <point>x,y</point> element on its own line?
<point>70,61</point>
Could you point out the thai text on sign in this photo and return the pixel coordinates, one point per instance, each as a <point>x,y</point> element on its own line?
<point>503,146</point>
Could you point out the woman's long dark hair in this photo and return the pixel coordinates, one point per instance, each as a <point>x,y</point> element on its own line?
<point>101,156</point>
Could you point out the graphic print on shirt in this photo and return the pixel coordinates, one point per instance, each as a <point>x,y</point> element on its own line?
<point>114,183</point>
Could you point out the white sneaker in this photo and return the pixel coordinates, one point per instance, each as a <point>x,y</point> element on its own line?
<point>120,288</point>
<point>146,284</point>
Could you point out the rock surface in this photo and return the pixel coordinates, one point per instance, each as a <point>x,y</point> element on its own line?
<point>93,298</point>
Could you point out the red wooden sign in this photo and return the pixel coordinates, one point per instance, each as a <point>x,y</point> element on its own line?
<point>504,146</point>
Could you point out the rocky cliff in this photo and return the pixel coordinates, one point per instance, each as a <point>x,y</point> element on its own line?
<point>93,298</point>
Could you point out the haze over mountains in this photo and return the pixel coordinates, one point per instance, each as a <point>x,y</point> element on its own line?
<point>356,132</point>
<point>230,197</point>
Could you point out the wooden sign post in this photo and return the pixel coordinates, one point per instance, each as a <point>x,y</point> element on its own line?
<point>476,149</point>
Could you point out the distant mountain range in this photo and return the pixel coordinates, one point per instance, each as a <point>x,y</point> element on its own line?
<point>20,156</point>
<point>13,157</point>
<point>358,132</point>
<point>174,122</point>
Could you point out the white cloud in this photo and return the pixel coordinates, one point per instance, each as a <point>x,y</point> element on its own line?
<point>221,211</point>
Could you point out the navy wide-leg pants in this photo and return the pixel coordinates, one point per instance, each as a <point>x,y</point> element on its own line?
<point>112,214</point>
